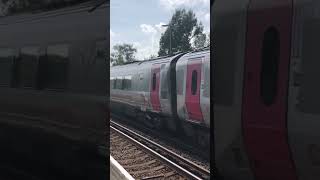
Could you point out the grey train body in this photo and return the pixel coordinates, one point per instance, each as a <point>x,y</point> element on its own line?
<point>53,90</point>
<point>158,88</point>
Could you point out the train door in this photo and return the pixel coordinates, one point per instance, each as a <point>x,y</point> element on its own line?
<point>193,89</point>
<point>155,82</point>
<point>264,115</point>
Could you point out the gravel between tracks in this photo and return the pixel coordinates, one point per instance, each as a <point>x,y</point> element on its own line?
<point>139,164</point>
<point>205,163</point>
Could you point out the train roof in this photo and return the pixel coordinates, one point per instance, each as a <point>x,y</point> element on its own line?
<point>197,52</point>
<point>162,58</point>
<point>155,60</point>
<point>137,64</point>
<point>57,26</point>
<point>30,16</point>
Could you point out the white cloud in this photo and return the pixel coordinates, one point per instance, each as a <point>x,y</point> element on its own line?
<point>159,27</point>
<point>173,4</point>
<point>148,28</point>
<point>207,17</point>
<point>136,44</point>
<point>145,51</point>
<point>201,8</point>
<point>112,34</point>
<point>114,39</point>
<point>150,45</point>
<point>204,17</point>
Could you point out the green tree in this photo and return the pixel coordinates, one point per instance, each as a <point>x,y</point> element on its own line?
<point>183,26</point>
<point>122,53</point>
<point>200,41</point>
<point>208,40</point>
<point>152,56</point>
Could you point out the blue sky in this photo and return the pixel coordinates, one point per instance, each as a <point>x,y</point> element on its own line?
<point>138,22</point>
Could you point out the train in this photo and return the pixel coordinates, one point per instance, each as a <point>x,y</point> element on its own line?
<point>53,90</point>
<point>266,109</point>
<point>171,92</point>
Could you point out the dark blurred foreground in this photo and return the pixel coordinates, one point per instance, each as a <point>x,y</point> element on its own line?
<point>47,157</point>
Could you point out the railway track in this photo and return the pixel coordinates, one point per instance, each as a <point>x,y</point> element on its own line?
<point>166,162</point>
<point>202,154</point>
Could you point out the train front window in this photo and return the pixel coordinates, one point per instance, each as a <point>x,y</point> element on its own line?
<point>6,64</point>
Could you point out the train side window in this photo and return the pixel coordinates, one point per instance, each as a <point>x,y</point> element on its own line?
<point>115,83</point>
<point>143,83</point>
<point>146,84</point>
<point>112,82</point>
<point>101,53</point>
<point>154,81</point>
<point>6,66</point>
<point>134,85</point>
<point>129,83</point>
<point>269,65</point>
<point>119,83</point>
<point>54,68</point>
<point>28,64</point>
<point>194,82</point>
<point>164,86</point>
<point>123,84</point>
<point>127,80</point>
<point>180,80</point>
<point>140,76</point>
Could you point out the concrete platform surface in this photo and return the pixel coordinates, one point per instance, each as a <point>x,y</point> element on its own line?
<point>117,172</point>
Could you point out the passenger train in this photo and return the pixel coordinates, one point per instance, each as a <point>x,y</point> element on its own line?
<point>168,92</point>
<point>53,90</point>
<point>267,100</point>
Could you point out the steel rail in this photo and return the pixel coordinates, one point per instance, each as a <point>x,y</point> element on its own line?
<point>187,164</point>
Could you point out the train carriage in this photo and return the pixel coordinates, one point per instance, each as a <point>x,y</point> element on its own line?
<point>149,91</point>
<point>266,97</point>
<point>231,159</point>
<point>167,92</point>
<point>53,91</point>
<point>193,94</point>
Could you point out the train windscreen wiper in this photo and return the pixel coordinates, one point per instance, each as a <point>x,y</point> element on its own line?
<point>98,4</point>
